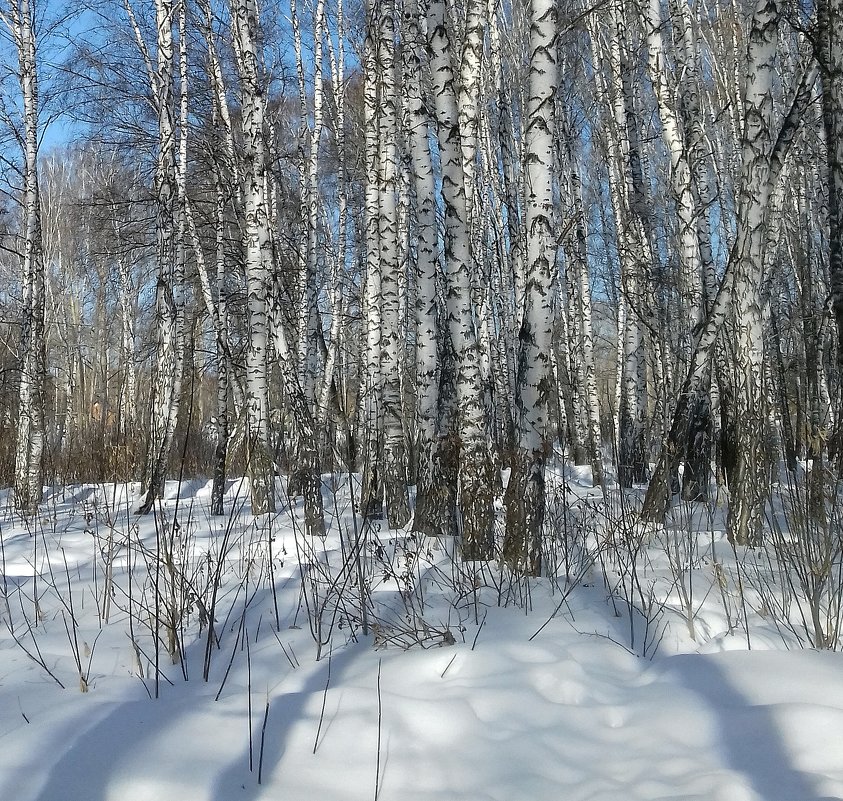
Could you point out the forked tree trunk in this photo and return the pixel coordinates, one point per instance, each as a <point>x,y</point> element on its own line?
<point>739,295</point>
<point>698,441</point>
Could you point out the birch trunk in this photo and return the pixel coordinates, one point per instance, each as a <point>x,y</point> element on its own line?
<point>631,386</point>
<point>371,502</point>
<point>128,397</point>
<point>469,98</point>
<point>331,379</point>
<point>226,182</point>
<point>307,453</point>
<point>476,471</point>
<point>765,171</point>
<point>308,353</point>
<point>435,488</point>
<point>831,56</point>
<point>257,245</point>
<point>747,490</point>
<point>394,462</point>
<point>698,442</point>
<point>169,366</point>
<point>29,450</point>
<point>524,499</point>
<point>508,296</point>
<point>584,331</point>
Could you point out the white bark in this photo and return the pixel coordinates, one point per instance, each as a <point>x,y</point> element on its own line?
<point>764,156</point>
<point>394,445</point>
<point>747,485</point>
<point>692,220</point>
<point>469,97</point>
<point>128,398</point>
<point>435,495</point>
<point>29,450</point>
<point>475,470</point>
<point>524,498</point>
<point>372,491</point>
<point>583,328</point>
<point>830,47</point>
<point>258,252</point>
<point>680,171</point>
<point>169,366</point>
<point>339,287</point>
<point>631,382</point>
<point>308,324</point>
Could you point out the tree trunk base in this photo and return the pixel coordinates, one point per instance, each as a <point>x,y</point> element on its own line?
<point>436,493</point>
<point>476,502</point>
<point>524,502</point>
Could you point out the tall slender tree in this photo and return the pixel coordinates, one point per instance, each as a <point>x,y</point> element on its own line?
<point>525,501</point>
<point>435,492</point>
<point>30,439</point>
<point>257,245</point>
<point>169,365</point>
<point>476,479</point>
<point>830,54</point>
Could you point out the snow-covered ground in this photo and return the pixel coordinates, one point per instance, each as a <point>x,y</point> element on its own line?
<point>654,666</point>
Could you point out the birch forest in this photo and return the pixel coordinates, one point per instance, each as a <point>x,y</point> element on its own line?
<point>435,246</point>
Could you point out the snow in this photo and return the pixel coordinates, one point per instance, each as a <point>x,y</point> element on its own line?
<point>550,689</point>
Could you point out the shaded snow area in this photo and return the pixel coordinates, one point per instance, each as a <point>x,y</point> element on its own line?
<point>375,665</point>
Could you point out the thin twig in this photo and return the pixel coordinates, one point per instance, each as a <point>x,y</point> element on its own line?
<point>380,728</point>
<point>263,739</point>
<point>324,700</point>
<point>442,674</point>
<point>479,629</point>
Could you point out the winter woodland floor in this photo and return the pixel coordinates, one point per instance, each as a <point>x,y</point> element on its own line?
<point>666,667</point>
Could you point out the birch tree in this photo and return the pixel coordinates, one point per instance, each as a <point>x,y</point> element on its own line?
<point>524,499</point>
<point>631,383</point>
<point>372,488</point>
<point>583,333</point>
<point>30,438</point>
<point>698,450</point>
<point>169,365</point>
<point>394,445</point>
<point>308,322</point>
<point>225,173</point>
<point>435,492</point>
<point>476,479</point>
<point>764,148</point>
<point>830,54</point>
<point>257,246</point>
<point>747,487</point>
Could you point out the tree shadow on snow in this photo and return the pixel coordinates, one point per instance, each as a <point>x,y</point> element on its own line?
<point>750,739</point>
<point>102,753</point>
<point>108,754</point>
<point>286,710</point>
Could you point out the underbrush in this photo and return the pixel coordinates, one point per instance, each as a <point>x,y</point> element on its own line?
<point>186,594</point>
